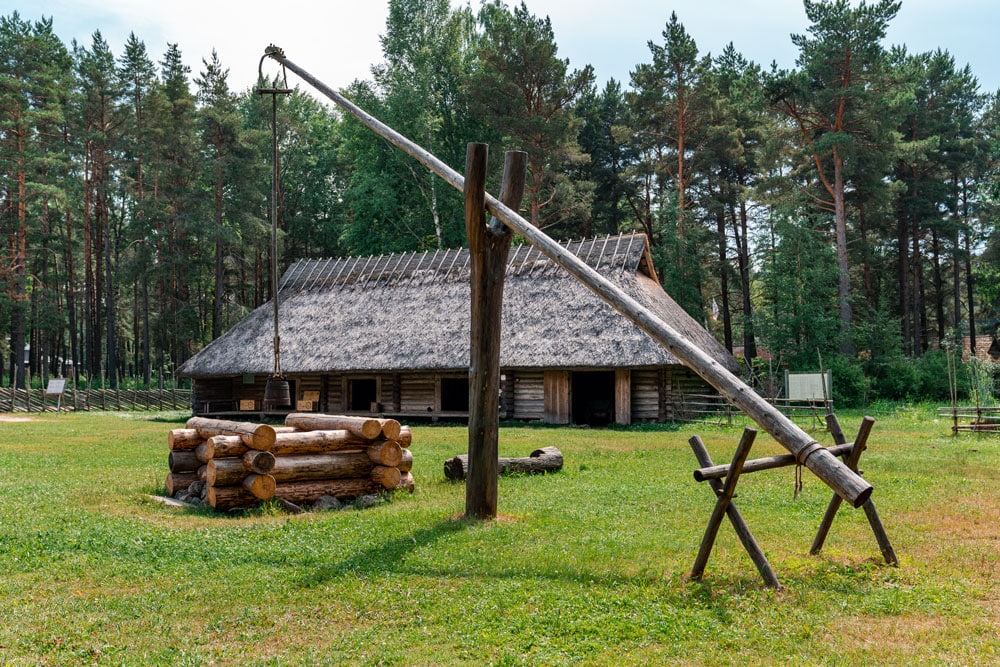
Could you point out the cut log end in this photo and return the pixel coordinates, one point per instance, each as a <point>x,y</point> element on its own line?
<point>388,477</point>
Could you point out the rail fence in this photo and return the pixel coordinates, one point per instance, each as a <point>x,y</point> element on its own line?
<point>972,418</point>
<point>115,400</point>
<point>712,407</point>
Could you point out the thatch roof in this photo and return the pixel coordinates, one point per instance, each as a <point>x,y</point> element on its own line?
<point>411,312</point>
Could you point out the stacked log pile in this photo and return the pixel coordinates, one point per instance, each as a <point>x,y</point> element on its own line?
<point>234,465</point>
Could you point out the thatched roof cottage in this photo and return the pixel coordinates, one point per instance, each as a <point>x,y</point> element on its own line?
<point>390,335</point>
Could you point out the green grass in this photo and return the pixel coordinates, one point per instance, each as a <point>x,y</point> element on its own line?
<point>587,566</point>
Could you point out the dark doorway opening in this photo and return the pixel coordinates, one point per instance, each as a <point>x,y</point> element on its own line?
<point>454,394</point>
<point>593,397</point>
<point>363,392</point>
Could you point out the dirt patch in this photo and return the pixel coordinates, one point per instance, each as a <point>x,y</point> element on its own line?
<point>9,418</point>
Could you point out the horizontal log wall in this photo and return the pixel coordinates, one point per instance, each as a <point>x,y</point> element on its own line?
<point>335,398</point>
<point>529,395</point>
<point>418,394</point>
<point>656,395</point>
<point>388,393</point>
<point>645,396</point>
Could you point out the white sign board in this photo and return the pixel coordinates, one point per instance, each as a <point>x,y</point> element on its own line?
<point>56,387</point>
<point>809,386</point>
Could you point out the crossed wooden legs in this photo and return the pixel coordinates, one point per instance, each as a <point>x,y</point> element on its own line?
<point>860,443</point>
<point>725,492</point>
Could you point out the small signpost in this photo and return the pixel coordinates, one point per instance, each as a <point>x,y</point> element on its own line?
<point>56,388</point>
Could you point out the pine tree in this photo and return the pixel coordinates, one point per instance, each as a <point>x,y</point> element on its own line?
<point>137,77</point>
<point>526,93</point>
<point>673,105</point>
<point>34,80</point>
<point>836,100</point>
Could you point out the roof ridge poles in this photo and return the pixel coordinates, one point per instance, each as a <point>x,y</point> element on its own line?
<point>846,483</point>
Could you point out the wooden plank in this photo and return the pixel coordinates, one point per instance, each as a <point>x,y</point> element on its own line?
<point>623,396</point>
<point>556,397</point>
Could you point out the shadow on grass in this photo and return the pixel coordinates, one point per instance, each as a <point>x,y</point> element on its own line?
<point>390,557</point>
<point>386,557</point>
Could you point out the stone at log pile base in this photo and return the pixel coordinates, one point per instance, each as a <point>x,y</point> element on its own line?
<point>324,503</point>
<point>192,495</point>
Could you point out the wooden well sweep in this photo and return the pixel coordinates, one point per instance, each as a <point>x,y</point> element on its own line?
<point>808,452</point>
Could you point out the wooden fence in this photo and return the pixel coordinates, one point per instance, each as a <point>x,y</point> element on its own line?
<point>973,418</point>
<point>116,400</point>
<point>712,407</point>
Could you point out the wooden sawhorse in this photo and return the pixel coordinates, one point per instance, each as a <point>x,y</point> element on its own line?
<point>724,491</point>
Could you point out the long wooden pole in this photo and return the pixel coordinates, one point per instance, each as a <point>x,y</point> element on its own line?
<point>808,452</point>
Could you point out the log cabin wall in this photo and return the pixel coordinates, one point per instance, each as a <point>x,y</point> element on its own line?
<point>529,395</point>
<point>645,390</point>
<point>334,394</point>
<point>678,383</point>
<point>308,389</point>
<point>214,394</point>
<point>388,393</point>
<point>507,395</point>
<point>418,394</point>
<point>641,395</point>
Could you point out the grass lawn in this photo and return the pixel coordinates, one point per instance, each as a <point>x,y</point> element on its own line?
<point>586,566</point>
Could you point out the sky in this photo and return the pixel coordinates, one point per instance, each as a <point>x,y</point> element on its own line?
<point>337,41</point>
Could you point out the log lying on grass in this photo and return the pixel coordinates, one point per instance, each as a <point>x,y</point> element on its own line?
<point>546,459</point>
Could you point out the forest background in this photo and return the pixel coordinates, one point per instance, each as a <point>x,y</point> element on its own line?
<point>840,213</point>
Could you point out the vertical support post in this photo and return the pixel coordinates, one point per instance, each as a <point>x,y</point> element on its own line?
<point>489,246</point>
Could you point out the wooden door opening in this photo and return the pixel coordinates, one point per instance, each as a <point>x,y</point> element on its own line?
<point>362,394</point>
<point>593,399</point>
<point>455,394</point>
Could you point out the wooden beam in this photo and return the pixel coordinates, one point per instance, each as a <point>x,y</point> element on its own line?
<point>853,457</point>
<point>722,504</point>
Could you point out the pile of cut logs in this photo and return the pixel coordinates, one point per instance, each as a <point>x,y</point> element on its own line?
<point>313,455</point>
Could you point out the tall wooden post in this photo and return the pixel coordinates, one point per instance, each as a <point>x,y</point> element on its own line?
<point>488,249</point>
